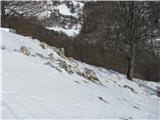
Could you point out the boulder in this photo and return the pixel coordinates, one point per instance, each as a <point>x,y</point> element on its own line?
<point>42,46</point>
<point>89,74</point>
<point>61,52</point>
<point>25,50</point>
<point>51,57</point>
<point>62,64</point>
<point>68,68</point>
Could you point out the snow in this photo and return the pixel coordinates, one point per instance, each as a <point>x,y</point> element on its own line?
<point>63,9</point>
<point>5,29</point>
<point>33,90</point>
<point>75,30</point>
<point>158,39</point>
<point>43,9</point>
<point>44,14</point>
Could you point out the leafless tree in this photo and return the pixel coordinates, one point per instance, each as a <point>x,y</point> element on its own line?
<point>124,25</point>
<point>132,26</point>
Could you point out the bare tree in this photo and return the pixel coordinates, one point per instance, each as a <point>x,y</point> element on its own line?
<point>124,25</point>
<point>132,26</point>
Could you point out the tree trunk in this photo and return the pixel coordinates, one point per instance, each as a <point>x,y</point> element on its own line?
<point>130,69</point>
<point>131,63</point>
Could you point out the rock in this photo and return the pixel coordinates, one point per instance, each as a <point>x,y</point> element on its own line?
<point>33,55</point>
<point>53,48</point>
<point>25,50</point>
<point>42,46</point>
<point>67,67</point>
<point>61,52</point>
<point>80,73</point>
<point>89,74</point>
<point>12,30</point>
<point>47,63</point>
<point>40,55</point>
<point>51,57</point>
<point>62,64</point>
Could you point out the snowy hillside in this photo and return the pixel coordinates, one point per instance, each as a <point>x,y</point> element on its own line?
<point>62,16</point>
<point>37,84</point>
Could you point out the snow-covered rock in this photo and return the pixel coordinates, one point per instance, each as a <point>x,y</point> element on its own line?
<point>90,74</point>
<point>25,50</point>
<point>37,88</point>
<point>12,30</point>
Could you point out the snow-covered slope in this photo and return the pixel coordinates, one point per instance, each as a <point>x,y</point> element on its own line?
<point>36,86</point>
